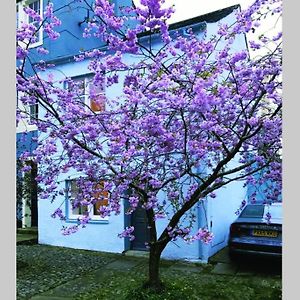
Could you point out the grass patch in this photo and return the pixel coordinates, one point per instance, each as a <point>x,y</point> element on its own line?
<point>183,286</point>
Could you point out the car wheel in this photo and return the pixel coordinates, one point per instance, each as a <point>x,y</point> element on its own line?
<point>233,256</point>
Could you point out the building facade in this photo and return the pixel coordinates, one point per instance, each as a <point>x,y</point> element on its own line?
<point>101,234</point>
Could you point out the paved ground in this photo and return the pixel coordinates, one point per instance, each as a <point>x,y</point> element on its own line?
<point>26,239</point>
<point>27,236</point>
<point>219,264</point>
<point>244,266</point>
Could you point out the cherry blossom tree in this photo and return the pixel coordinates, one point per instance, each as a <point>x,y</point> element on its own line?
<point>186,112</point>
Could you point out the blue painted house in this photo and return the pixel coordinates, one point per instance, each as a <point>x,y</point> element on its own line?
<point>73,17</point>
<point>101,233</point>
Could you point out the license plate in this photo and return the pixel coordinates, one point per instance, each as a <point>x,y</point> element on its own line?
<point>265,233</point>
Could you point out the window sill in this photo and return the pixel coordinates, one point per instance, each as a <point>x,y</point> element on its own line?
<point>25,128</point>
<point>37,44</point>
<point>102,221</point>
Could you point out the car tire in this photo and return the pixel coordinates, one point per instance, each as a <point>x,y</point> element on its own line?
<point>234,257</point>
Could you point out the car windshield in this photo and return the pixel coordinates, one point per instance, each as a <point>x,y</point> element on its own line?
<point>252,211</point>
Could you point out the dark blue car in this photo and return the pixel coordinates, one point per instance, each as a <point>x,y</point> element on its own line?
<point>257,231</point>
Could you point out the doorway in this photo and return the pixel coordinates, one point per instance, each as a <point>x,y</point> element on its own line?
<point>141,230</point>
<point>27,196</point>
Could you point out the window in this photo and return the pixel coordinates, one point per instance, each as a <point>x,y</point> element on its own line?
<point>33,112</point>
<point>17,16</point>
<point>27,114</point>
<point>22,17</point>
<point>74,211</point>
<point>93,96</point>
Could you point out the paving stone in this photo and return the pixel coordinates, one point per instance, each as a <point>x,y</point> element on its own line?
<point>102,274</point>
<point>47,261</point>
<point>25,237</point>
<point>69,289</point>
<point>246,270</point>
<point>224,269</point>
<point>28,230</point>
<point>186,268</point>
<point>221,256</point>
<point>245,273</point>
<point>135,253</point>
<point>122,265</point>
<point>49,298</point>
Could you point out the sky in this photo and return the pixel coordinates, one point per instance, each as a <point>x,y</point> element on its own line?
<point>186,9</point>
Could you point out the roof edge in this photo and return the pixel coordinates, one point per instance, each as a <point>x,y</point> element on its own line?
<point>211,17</point>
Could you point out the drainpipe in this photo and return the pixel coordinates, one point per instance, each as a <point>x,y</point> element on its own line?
<point>202,248</point>
<point>201,208</point>
<point>199,225</point>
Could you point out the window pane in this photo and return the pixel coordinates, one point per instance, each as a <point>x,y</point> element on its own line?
<point>17,15</point>
<point>75,211</point>
<point>79,210</point>
<point>98,204</point>
<point>73,192</point>
<point>98,104</point>
<point>80,84</point>
<point>73,189</point>
<point>33,111</point>
<point>97,97</point>
<point>35,5</point>
<point>102,195</point>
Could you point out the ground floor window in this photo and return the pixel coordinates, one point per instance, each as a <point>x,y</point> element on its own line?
<point>74,193</point>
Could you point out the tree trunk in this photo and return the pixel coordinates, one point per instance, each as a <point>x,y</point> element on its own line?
<point>154,281</point>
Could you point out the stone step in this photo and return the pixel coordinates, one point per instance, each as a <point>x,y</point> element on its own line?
<point>28,230</point>
<point>136,253</point>
<point>26,239</point>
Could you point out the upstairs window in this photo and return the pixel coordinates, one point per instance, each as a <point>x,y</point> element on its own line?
<point>28,114</point>
<point>33,112</point>
<point>17,16</point>
<point>22,17</point>
<point>93,96</point>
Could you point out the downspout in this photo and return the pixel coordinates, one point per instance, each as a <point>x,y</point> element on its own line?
<point>201,211</point>
<point>199,225</point>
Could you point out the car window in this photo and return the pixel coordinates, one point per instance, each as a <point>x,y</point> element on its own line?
<point>252,211</point>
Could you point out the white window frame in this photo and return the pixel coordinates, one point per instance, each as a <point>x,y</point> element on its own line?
<point>71,217</point>
<point>24,18</point>
<point>86,96</point>
<point>24,123</point>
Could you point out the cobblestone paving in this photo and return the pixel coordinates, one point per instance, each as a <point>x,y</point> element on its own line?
<point>53,266</point>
